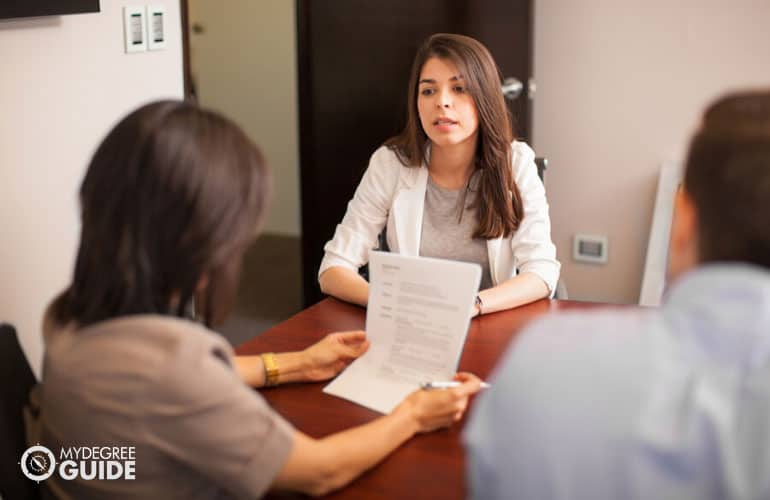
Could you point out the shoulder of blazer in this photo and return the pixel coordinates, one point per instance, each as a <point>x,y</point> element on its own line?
<point>387,159</point>
<point>521,154</point>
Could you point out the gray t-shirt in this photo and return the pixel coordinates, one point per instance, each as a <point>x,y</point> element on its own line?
<point>168,387</point>
<point>447,229</point>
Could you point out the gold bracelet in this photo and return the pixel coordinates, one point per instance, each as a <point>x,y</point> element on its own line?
<point>272,373</point>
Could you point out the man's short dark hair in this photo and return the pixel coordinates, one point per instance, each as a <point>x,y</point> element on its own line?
<point>728,177</point>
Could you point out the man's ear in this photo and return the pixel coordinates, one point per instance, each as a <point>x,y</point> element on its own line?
<point>683,243</point>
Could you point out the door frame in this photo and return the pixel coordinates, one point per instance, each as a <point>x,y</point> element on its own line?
<point>184,18</point>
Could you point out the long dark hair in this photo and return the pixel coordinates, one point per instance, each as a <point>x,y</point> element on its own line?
<point>728,177</point>
<point>173,195</point>
<point>498,202</point>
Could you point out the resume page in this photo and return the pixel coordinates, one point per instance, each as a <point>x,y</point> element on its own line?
<point>417,320</point>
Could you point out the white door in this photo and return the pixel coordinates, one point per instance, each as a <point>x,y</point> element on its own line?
<point>243,64</point>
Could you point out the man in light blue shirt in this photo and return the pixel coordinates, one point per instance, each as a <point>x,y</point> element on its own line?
<point>662,403</point>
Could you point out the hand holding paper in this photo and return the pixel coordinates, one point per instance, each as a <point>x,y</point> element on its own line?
<point>437,409</point>
<point>330,355</point>
<point>417,320</point>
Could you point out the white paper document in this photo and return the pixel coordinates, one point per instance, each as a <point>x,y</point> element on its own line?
<point>417,319</point>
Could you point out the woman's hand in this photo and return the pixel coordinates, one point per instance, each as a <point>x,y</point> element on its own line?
<point>329,356</point>
<point>320,466</point>
<point>434,409</point>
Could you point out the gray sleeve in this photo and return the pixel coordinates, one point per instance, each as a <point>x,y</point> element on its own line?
<point>559,420</point>
<point>202,415</point>
<point>509,437</point>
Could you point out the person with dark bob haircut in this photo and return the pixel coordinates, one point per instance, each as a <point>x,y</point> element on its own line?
<point>171,200</point>
<point>453,185</point>
<point>661,403</point>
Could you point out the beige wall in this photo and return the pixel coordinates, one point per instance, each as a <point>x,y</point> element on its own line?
<point>245,65</point>
<point>621,84</point>
<point>64,81</point>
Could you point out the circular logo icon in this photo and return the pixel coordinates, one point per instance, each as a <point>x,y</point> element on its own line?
<point>38,463</point>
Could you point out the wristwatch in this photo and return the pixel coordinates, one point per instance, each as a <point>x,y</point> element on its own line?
<point>478,303</point>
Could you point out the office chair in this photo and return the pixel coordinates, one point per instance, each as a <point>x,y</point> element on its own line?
<point>541,164</point>
<point>16,379</point>
<point>561,287</point>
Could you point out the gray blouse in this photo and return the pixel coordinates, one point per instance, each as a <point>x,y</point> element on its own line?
<point>447,229</point>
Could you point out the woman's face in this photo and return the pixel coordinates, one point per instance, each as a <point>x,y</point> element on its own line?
<point>447,111</point>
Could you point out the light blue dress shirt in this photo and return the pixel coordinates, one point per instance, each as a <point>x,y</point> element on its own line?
<point>672,402</point>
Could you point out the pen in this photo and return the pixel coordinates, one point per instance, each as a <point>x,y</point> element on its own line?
<point>446,385</point>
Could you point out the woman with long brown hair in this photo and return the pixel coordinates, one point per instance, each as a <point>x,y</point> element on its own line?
<point>171,200</point>
<point>454,184</point>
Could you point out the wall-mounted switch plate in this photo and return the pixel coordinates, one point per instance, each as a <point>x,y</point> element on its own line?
<point>156,27</point>
<point>134,28</point>
<point>590,248</point>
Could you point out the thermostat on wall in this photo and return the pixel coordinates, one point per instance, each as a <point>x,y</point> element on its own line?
<point>135,29</point>
<point>156,27</point>
<point>590,248</point>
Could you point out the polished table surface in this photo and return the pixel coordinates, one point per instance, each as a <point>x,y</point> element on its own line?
<point>427,466</point>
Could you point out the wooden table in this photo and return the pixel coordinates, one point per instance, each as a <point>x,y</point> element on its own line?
<point>427,466</point>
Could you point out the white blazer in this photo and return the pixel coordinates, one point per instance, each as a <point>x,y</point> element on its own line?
<point>392,194</point>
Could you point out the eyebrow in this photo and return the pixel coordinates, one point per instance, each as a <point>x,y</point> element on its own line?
<point>431,80</point>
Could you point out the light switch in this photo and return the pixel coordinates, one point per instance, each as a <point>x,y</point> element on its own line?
<point>135,29</point>
<point>590,248</point>
<point>156,27</point>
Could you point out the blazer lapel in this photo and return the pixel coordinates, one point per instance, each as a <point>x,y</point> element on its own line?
<point>493,251</point>
<point>408,208</point>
